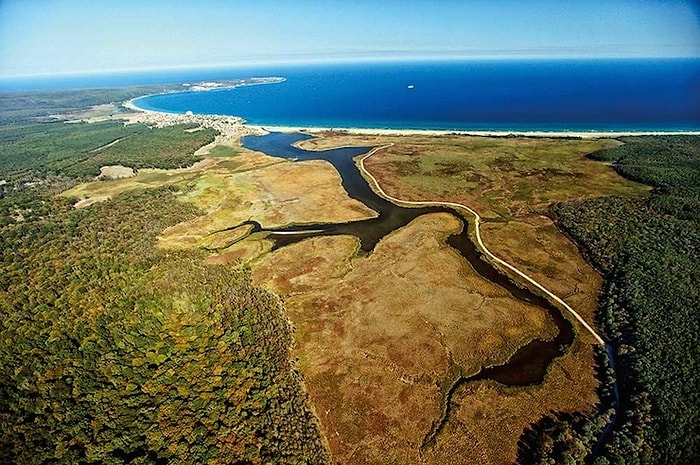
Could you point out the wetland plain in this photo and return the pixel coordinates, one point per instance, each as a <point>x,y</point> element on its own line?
<point>382,338</point>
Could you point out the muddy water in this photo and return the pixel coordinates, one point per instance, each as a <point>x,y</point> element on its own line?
<point>529,364</point>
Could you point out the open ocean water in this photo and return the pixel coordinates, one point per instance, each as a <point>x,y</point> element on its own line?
<point>504,95</point>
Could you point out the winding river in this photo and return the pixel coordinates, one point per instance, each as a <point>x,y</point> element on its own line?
<point>527,366</point>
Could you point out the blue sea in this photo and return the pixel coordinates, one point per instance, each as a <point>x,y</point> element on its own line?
<point>504,95</point>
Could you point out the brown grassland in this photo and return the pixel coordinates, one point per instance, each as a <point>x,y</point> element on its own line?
<point>511,182</point>
<point>380,338</point>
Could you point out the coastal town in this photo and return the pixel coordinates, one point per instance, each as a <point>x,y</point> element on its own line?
<point>225,124</point>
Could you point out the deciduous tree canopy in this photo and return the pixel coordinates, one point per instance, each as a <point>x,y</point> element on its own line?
<point>113,351</point>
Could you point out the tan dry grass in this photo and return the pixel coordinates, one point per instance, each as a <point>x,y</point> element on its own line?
<point>513,181</point>
<point>98,191</point>
<point>496,417</point>
<point>226,238</point>
<point>275,195</point>
<point>234,189</point>
<point>377,336</point>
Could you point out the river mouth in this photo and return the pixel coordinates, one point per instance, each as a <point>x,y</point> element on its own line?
<point>528,365</point>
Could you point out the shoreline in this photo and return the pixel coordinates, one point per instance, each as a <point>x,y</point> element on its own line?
<point>207,86</point>
<point>594,134</point>
<point>478,133</point>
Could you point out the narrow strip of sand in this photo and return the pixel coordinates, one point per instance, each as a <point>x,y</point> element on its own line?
<point>494,133</point>
<point>131,105</point>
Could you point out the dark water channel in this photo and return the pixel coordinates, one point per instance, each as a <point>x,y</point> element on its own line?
<point>527,366</point>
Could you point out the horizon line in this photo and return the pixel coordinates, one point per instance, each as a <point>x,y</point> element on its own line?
<point>339,60</point>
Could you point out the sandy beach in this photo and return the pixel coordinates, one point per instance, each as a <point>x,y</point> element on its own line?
<point>175,118</point>
<point>438,132</point>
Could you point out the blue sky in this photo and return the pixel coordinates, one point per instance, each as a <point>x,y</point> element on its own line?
<point>72,36</point>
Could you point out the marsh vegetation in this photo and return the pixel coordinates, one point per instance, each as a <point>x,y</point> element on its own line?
<point>153,300</point>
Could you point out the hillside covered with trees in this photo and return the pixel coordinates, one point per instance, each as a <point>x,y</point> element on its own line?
<point>649,253</point>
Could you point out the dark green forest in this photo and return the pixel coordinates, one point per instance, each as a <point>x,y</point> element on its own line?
<point>113,351</point>
<point>648,251</point>
<point>35,151</point>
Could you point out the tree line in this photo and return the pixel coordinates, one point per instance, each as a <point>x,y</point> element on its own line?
<point>648,251</point>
